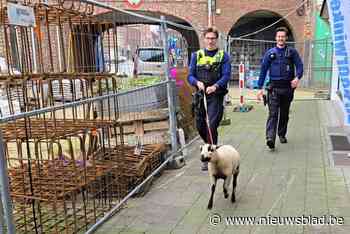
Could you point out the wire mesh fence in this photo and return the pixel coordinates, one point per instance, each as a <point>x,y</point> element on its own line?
<point>320,68</point>
<point>317,57</point>
<point>77,135</point>
<point>67,168</point>
<point>75,43</point>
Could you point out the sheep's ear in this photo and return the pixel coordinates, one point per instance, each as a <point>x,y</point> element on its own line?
<point>211,148</point>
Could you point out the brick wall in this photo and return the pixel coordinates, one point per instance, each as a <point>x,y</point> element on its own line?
<point>195,12</point>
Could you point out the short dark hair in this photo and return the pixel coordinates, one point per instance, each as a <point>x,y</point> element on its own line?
<point>282,29</point>
<point>211,30</point>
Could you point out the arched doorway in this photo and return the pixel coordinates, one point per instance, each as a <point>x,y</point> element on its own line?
<point>250,37</point>
<point>255,21</point>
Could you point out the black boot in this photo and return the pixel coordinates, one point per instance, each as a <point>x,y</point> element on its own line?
<point>283,140</point>
<point>270,143</point>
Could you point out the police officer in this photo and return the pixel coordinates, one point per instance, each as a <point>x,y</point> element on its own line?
<point>282,62</point>
<point>210,71</point>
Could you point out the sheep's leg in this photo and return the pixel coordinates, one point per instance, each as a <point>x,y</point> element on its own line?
<point>210,204</point>
<point>227,182</point>
<point>234,184</point>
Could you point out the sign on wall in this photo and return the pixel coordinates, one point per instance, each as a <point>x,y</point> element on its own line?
<point>20,15</point>
<point>339,14</point>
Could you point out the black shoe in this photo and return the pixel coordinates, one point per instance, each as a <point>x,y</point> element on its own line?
<point>283,140</point>
<point>270,143</point>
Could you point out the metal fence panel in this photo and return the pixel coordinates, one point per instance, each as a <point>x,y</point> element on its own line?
<point>73,153</point>
<point>317,57</point>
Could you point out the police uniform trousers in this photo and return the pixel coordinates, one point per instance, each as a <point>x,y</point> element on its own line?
<point>215,114</point>
<point>279,104</point>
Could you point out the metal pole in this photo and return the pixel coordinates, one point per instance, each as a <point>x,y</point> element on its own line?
<point>170,87</point>
<point>35,69</point>
<point>15,56</point>
<point>333,85</point>
<point>329,72</point>
<point>228,50</point>
<point>241,83</point>
<point>209,14</point>
<point>59,48</point>
<point>1,217</point>
<point>306,76</point>
<point>5,192</point>
<point>310,65</point>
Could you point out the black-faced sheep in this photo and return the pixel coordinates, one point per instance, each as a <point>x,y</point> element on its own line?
<point>223,164</point>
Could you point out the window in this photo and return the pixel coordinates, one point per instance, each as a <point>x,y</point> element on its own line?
<point>151,55</point>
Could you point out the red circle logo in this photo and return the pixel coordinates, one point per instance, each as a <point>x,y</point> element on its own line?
<point>134,3</point>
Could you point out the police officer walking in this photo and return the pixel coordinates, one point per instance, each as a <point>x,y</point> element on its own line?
<point>282,62</point>
<point>210,71</point>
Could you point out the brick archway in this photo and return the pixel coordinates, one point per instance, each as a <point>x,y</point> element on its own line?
<point>232,11</point>
<point>226,12</point>
<point>252,22</point>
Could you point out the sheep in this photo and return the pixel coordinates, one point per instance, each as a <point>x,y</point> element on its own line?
<point>223,163</point>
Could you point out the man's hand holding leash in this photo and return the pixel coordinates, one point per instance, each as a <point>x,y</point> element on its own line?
<point>200,85</point>
<point>211,89</point>
<point>260,94</point>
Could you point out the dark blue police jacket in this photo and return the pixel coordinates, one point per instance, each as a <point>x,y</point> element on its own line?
<point>282,64</point>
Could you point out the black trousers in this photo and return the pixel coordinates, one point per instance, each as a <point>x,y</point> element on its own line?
<point>215,114</point>
<point>279,104</point>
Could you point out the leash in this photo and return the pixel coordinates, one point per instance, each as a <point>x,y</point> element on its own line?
<point>207,118</point>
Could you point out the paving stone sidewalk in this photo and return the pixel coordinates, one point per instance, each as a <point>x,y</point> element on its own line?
<point>297,179</point>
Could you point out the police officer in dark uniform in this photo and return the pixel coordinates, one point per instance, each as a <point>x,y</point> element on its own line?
<point>210,71</point>
<point>285,69</point>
